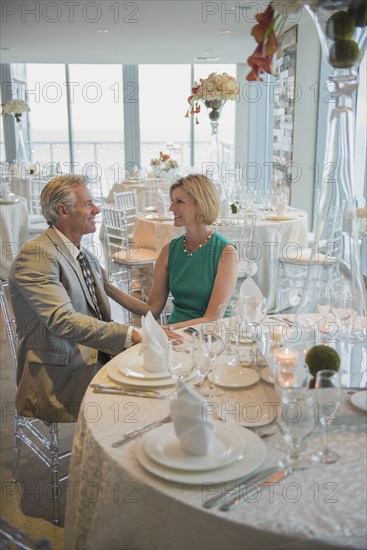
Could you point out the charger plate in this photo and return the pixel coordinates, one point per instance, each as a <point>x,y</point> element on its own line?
<point>359,400</point>
<point>253,457</point>
<point>163,446</point>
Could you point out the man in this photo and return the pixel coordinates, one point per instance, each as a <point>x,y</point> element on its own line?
<point>61,309</point>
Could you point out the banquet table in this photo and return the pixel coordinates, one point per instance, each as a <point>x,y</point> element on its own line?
<point>114,503</point>
<point>14,220</point>
<point>271,238</point>
<point>22,186</point>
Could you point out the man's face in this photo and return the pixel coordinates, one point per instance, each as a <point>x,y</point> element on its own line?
<point>81,220</point>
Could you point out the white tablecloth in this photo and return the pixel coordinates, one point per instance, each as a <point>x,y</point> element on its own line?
<point>114,503</point>
<point>22,186</point>
<point>14,220</point>
<point>270,238</point>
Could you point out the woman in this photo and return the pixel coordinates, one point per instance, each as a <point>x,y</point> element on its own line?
<point>198,268</point>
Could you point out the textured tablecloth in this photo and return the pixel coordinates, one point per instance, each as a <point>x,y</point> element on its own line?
<point>271,239</point>
<point>22,186</point>
<point>113,503</point>
<point>14,220</point>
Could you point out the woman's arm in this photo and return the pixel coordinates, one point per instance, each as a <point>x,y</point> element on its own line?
<point>158,294</point>
<point>224,285</point>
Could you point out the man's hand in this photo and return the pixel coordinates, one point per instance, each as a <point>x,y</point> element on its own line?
<point>135,338</point>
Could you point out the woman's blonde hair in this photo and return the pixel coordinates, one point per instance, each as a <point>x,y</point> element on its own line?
<point>59,189</point>
<point>204,194</point>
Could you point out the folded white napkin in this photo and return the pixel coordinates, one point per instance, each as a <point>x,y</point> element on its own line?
<point>154,344</point>
<point>193,430</point>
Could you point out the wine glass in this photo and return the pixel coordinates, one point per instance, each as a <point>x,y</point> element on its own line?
<point>201,361</point>
<point>342,308</point>
<point>295,418</point>
<point>251,312</point>
<point>180,365</point>
<point>327,385</point>
<point>211,347</point>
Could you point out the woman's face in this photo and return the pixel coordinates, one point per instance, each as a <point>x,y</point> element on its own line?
<point>184,209</point>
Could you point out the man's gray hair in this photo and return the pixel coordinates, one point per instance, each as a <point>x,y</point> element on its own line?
<point>59,190</point>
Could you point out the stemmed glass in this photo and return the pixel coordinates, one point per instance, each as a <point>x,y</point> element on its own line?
<point>327,385</point>
<point>211,347</point>
<point>342,303</point>
<point>295,419</point>
<point>180,366</point>
<point>251,312</point>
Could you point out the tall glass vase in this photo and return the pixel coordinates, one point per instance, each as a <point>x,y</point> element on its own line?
<point>214,108</point>
<point>342,31</point>
<point>21,150</point>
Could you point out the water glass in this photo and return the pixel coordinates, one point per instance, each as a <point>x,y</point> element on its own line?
<point>327,386</point>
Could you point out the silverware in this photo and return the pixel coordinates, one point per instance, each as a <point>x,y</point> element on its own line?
<point>136,433</point>
<point>249,480</point>
<point>237,498</point>
<point>131,390</point>
<point>119,391</point>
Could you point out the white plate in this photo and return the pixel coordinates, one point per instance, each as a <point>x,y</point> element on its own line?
<point>163,446</point>
<point>235,377</point>
<point>254,456</point>
<point>282,218</point>
<point>113,369</point>
<point>267,376</point>
<point>159,218</point>
<point>359,399</point>
<point>150,209</point>
<point>132,365</point>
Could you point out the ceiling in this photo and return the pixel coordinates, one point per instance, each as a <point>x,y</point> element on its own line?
<point>139,31</point>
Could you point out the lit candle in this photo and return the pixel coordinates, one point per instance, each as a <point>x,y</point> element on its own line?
<point>286,356</point>
<point>277,333</point>
<point>326,329</point>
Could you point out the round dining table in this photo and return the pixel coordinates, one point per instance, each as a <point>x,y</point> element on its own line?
<point>115,502</point>
<point>272,236</point>
<point>14,221</point>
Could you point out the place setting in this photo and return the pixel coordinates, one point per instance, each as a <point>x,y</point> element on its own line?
<point>195,448</point>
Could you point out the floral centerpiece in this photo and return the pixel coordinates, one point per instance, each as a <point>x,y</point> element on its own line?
<point>213,91</point>
<point>15,107</point>
<point>164,163</point>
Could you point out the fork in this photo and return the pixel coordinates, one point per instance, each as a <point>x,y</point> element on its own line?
<point>136,433</point>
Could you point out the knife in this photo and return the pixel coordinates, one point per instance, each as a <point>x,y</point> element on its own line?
<point>129,436</point>
<point>236,499</point>
<point>256,478</point>
<point>120,391</point>
<point>121,388</point>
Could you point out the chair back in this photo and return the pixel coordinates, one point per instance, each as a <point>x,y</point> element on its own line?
<point>115,231</point>
<point>240,231</point>
<point>331,240</point>
<point>37,184</point>
<point>9,322</point>
<point>128,202</point>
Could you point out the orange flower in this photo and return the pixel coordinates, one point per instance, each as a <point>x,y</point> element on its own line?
<point>265,35</point>
<point>264,20</point>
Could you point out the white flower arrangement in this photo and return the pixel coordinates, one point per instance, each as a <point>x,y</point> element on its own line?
<point>213,91</point>
<point>15,107</point>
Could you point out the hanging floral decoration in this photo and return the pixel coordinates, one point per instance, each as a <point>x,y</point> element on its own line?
<point>15,107</point>
<point>266,32</point>
<point>213,91</point>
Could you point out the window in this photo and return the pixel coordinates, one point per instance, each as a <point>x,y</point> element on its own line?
<point>97,115</point>
<point>163,90</point>
<point>46,92</point>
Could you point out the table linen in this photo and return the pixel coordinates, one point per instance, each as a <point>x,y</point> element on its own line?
<point>14,220</point>
<point>114,503</point>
